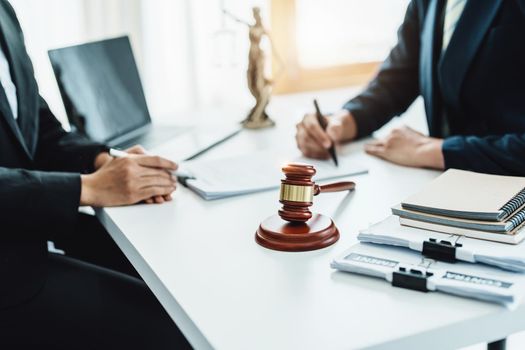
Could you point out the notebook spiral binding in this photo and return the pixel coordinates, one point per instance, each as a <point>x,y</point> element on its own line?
<point>512,205</point>
<point>517,219</point>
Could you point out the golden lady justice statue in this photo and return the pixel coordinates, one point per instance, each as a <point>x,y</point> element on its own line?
<point>260,86</point>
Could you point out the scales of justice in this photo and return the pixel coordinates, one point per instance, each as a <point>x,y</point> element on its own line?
<point>295,227</point>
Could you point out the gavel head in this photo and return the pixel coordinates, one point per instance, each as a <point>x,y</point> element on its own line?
<point>297,192</point>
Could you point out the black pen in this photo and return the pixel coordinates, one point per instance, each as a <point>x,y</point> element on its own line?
<point>324,124</point>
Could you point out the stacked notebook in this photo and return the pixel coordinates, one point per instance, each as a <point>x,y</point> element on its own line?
<point>482,206</point>
<point>390,232</point>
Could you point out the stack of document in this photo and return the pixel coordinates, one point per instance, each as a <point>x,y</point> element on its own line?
<point>391,233</point>
<point>476,205</point>
<point>452,220</point>
<point>407,269</point>
<point>255,172</point>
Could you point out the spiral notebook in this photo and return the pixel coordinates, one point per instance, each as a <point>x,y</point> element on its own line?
<point>443,223</point>
<point>469,195</point>
<point>515,236</point>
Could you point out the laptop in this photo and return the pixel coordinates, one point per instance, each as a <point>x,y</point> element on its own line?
<point>104,100</point>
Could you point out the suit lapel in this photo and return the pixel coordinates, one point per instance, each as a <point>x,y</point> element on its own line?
<point>468,35</point>
<point>5,109</point>
<point>25,128</point>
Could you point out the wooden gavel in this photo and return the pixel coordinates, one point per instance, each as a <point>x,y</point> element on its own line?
<point>298,190</point>
<point>296,229</point>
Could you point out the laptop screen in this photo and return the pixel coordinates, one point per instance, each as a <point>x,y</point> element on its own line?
<point>101,89</point>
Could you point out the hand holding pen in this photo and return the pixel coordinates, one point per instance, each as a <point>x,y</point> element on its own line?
<point>128,179</point>
<point>315,142</point>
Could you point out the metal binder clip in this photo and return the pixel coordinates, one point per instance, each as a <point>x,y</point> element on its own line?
<point>440,250</point>
<point>411,279</point>
<point>426,262</point>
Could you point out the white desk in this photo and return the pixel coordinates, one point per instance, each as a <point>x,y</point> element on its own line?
<point>226,292</point>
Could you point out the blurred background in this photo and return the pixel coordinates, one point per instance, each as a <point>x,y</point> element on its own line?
<point>192,55</point>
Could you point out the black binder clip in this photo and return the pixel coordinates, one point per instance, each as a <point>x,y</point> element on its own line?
<point>440,250</point>
<point>411,279</point>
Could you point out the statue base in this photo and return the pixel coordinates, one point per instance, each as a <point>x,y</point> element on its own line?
<point>278,234</point>
<point>257,124</point>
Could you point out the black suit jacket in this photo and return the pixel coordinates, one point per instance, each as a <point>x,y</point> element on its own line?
<point>40,166</point>
<point>478,83</point>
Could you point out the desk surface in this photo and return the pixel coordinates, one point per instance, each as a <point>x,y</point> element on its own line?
<point>226,292</point>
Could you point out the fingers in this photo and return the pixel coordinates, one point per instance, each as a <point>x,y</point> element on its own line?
<point>137,149</point>
<point>308,146</point>
<point>375,149</point>
<point>148,184</point>
<point>313,141</point>
<point>152,172</point>
<point>153,176</point>
<point>314,151</point>
<point>157,181</point>
<point>156,191</point>
<point>156,162</point>
<point>378,148</point>
<point>314,130</point>
<point>159,199</point>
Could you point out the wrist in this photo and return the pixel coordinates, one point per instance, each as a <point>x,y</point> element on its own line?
<point>431,154</point>
<point>348,123</point>
<point>86,190</point>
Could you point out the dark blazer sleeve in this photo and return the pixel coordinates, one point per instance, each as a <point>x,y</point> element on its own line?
<point>503,154</point>
<point>396,85</point>
<point>59,150</point>
<point>48,199</point>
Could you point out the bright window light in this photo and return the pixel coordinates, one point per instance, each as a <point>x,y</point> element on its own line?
<point>338,32</point>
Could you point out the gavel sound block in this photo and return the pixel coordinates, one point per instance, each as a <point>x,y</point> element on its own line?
<point>295,228</point>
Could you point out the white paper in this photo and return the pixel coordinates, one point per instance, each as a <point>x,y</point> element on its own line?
<point>468,280</point>
<point>256,172</point>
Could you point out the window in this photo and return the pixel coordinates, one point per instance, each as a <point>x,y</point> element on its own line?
<point>333,43</point>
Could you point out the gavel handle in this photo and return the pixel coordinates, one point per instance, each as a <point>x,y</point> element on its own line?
<point>335,187</point>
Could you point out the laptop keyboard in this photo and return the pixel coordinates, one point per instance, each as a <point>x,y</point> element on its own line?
<point>154,137</point>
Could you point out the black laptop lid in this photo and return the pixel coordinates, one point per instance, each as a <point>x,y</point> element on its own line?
<point>101,89</point>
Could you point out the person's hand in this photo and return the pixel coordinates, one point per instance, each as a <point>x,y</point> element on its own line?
<point>128,180</point>
<point>104,157</point>
<point>406,146</point>
<point>314,142</point>
<point>138,149</point>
